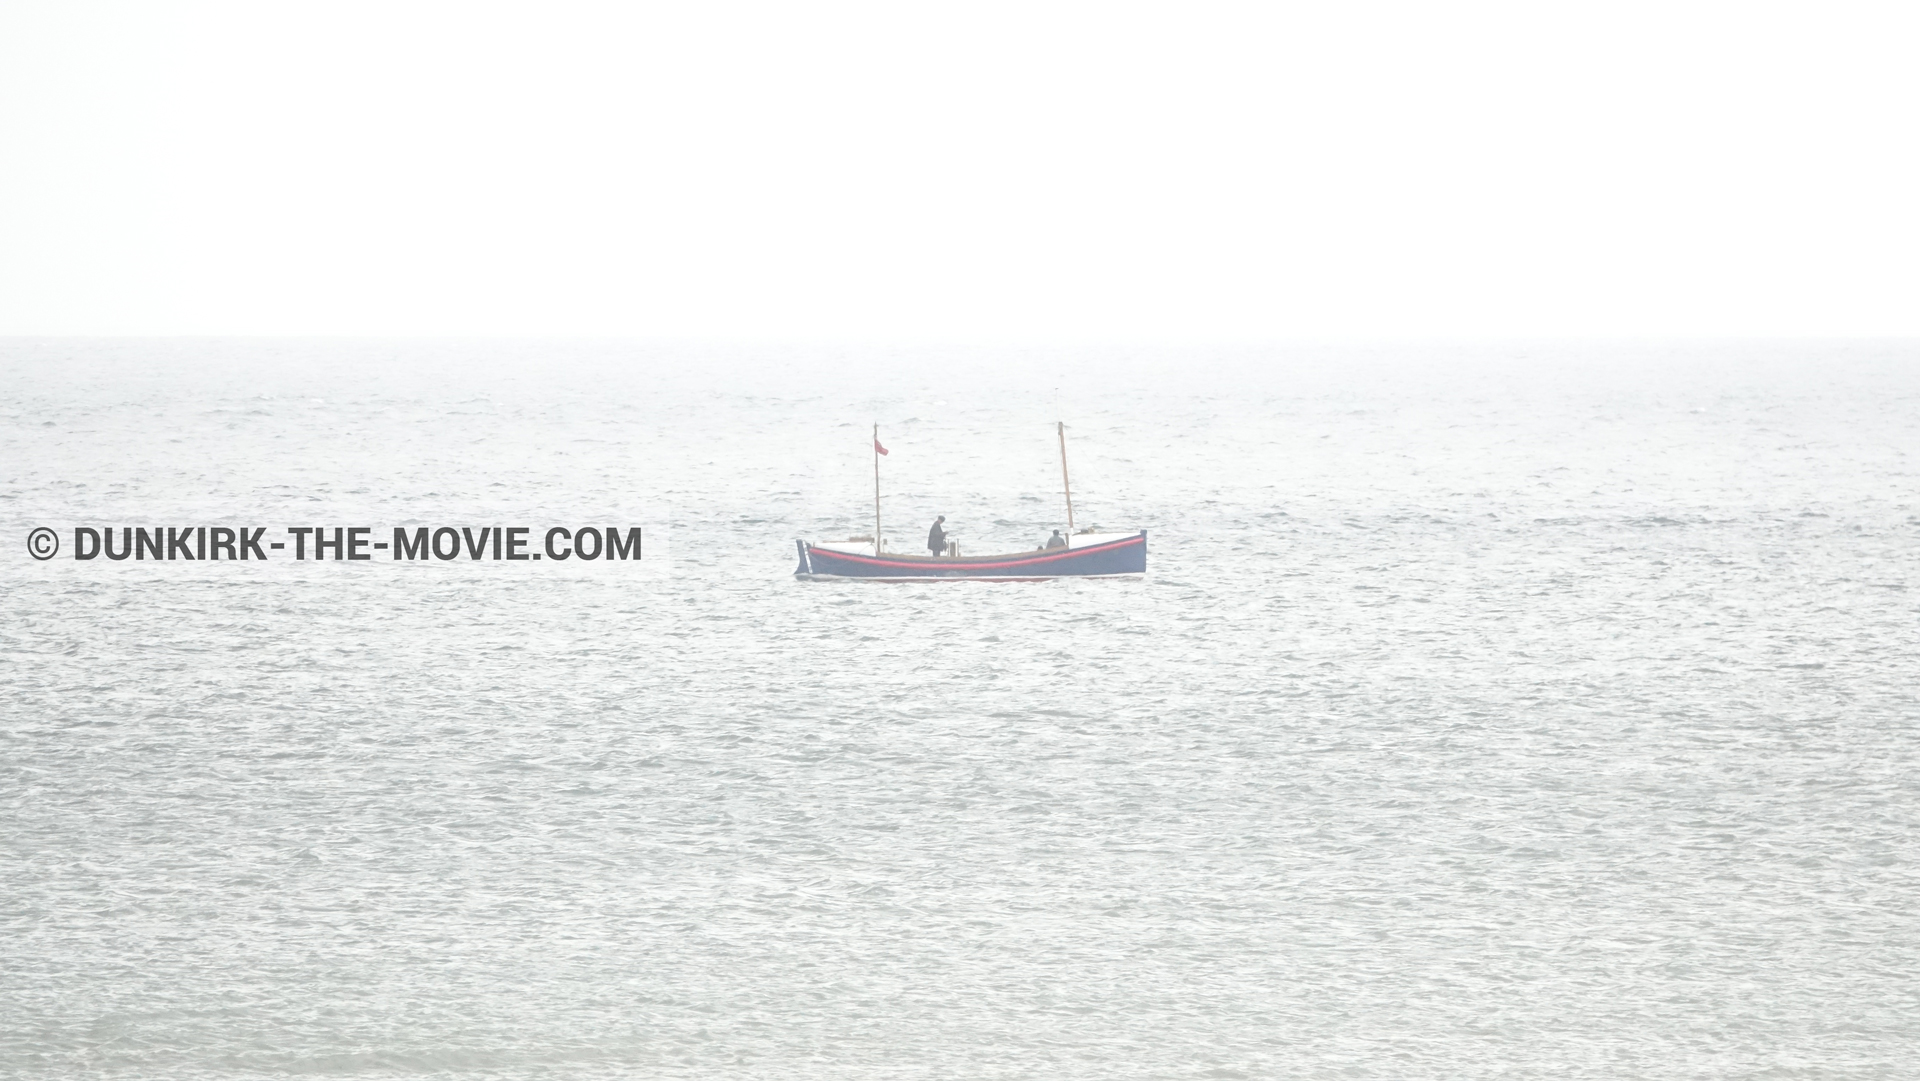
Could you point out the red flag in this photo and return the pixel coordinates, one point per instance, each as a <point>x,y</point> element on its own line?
<point>877,447</point>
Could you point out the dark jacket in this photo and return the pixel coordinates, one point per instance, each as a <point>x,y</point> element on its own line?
<point>936,539</point>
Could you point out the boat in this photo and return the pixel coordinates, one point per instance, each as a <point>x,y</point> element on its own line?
<point>1095,555</point>
<point>1088,553</point>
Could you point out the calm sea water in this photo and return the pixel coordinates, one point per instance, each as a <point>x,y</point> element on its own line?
<point>1494,711</point>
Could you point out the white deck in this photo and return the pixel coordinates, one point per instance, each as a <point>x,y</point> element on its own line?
<point>1084,540</point>
<point>865,548</point>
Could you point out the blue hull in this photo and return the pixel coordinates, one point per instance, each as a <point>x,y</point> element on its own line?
<point>1127,555</point>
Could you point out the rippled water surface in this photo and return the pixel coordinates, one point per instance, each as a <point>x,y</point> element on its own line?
<point>1494,712</point>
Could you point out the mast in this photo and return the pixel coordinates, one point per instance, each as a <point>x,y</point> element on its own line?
<point>876,491</point>
<point>1066,483</point>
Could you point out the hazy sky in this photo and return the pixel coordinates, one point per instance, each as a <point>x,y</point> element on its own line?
<point>979,171</point>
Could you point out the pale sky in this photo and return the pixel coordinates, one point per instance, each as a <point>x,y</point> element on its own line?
<point>1024,171</point>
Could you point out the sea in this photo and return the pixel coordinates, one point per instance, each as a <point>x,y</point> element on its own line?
<point>1488,710</point>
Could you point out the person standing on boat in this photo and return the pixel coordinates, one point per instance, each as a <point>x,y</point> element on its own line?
<point>937,537</point>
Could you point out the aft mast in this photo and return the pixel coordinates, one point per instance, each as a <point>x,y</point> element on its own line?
<point>878,450</point>
<point>1065,482</point>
